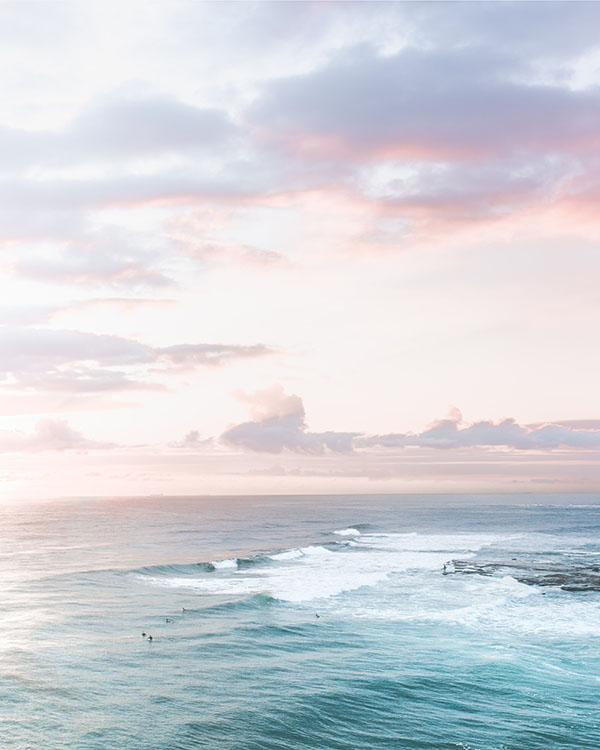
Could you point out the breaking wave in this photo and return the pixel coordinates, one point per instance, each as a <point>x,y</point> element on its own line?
<point>318,572</point>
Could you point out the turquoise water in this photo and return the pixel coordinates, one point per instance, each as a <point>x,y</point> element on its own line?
<point>301,622</point>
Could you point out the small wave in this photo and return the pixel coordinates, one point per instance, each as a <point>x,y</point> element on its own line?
<point>290,554</point>
<point>316,551</point>
<point>347,532</point>
<point>189,569</point>
<point>193,569</point>
<point>224,564</point>
<point>255,601</point>
<point>295,554</point>
<point>452,543</point>
<point>558,506</point>
<point>234,563</point>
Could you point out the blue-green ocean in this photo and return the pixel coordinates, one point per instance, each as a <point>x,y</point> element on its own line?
<point>289,623</point>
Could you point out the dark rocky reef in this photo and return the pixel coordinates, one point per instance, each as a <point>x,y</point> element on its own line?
<point>576,577</point>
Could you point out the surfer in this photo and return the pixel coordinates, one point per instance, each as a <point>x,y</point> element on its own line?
<point>150,638</point>
<point>143,635</point>
<point>168,619</point>
<point>317,616</point>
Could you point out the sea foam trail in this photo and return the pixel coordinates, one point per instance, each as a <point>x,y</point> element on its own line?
<point>451,543</point>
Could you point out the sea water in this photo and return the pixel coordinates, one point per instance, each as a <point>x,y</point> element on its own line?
<point>288,623</point>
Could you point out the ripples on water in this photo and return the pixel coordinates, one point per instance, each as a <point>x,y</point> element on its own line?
<point>296,623</point>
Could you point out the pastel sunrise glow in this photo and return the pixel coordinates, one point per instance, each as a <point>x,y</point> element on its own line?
<point>299,248</point>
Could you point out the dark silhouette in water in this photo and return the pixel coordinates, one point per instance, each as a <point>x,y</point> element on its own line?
<point>168,619</point>
<point>317,616</point>
<point>143,635</point>
<point>150,638</point>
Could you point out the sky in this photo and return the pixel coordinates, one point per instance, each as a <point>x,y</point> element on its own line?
<point>299,247</point>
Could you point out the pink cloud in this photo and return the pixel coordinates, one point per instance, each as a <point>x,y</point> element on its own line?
<point>43,359</point>
<point>447,433</point>
<point>193,441</point>
<point>48,435</point>
<point>456,104</point>
<point>279,424</point>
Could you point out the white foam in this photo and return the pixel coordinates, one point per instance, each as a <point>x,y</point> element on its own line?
<point>481,604</point>
<point>310,573</point>
<point>347,532</point>
<point>454,544</point>
<point>224,564</point>
<point>316,551</point>
<point>290,554</point>
<point>575,551</point>
<point>477,603</point>
<point>293,554</point>
<point>317,573</point>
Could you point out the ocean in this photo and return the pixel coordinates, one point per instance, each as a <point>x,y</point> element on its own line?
<point>289,623</point>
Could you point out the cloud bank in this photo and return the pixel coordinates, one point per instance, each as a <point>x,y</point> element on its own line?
<point>447,434</point>
<point>279,424</point>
